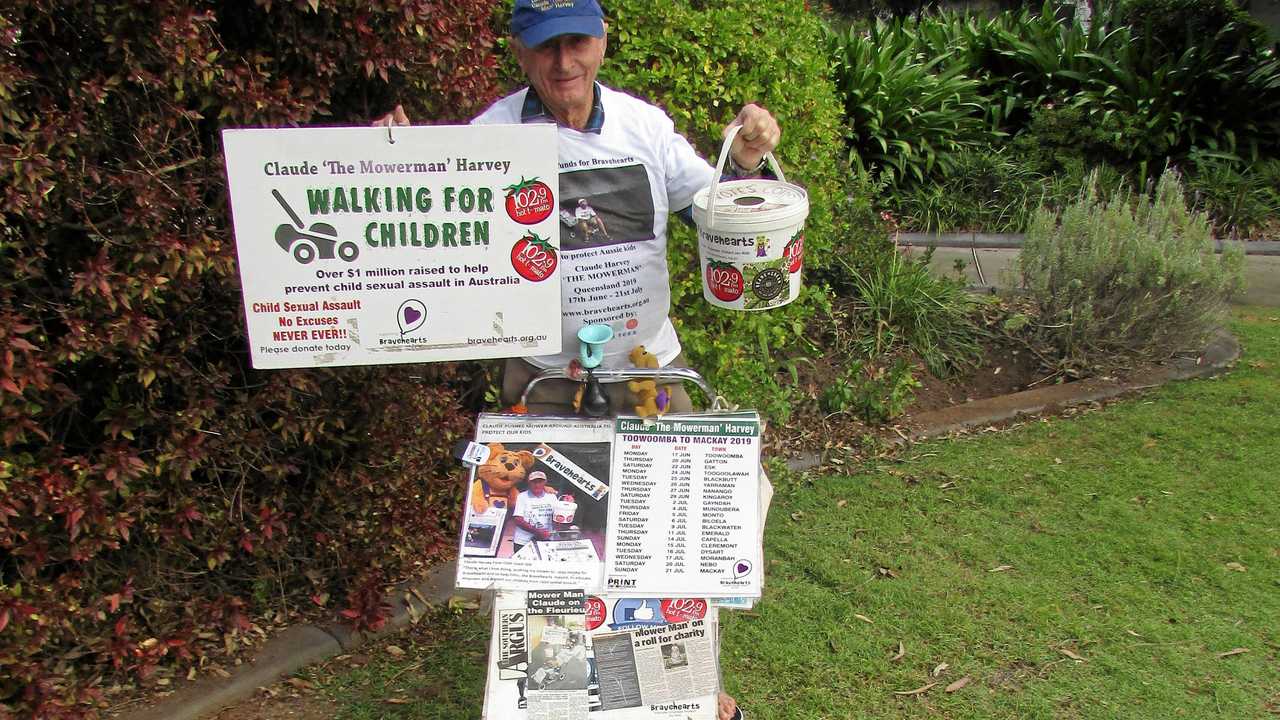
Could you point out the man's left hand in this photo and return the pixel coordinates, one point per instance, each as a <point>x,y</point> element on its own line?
<point>726,708</point>
<point>759,135</point>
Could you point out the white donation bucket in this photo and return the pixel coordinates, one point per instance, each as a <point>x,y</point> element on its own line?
<point>750,238</point>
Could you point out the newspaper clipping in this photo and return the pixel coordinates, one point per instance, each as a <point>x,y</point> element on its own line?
<point>605,659</point>
<point>537,503</point>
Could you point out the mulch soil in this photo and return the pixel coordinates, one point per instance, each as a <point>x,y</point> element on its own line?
<point>1005,367</point>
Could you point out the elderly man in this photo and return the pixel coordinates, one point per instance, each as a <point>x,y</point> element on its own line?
<point>622,158</point>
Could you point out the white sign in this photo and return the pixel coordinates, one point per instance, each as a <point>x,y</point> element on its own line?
<point>685,506</point>
<point>370,246</point>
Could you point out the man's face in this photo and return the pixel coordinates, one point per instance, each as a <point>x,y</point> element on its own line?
<point>537,486</point>
<point>563,71</point>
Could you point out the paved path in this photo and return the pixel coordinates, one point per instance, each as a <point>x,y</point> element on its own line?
<point>1262,272</point>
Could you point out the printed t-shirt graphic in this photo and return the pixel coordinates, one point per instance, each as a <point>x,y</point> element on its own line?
<point>608,206</point>
<point>633,170</point>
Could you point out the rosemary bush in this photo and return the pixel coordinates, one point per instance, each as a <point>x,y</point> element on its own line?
<point>1126,277</point>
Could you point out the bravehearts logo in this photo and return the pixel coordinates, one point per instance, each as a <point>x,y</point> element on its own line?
<point>305,243</point>
<point>411,316</point>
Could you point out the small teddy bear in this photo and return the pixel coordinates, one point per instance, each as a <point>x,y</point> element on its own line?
<point>646,392</point>
<point>496,479</point>
<point>650,399</point>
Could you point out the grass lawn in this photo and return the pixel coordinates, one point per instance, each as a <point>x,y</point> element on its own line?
<point>1104,566</point>
<point>1143,538</point>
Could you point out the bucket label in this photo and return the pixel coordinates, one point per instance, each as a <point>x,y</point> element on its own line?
<point>723,280</point>
<point>767,281</point>
<point>755,271</point>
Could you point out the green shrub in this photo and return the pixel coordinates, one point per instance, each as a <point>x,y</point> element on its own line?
<point>1171,27</point>
<point>988,189</point>
<point>157,495</point>
<point>702,63</point>
<point>1124,98</point>
<point>899,305</point>
<point>875,393</point>
<point>1022,60</point>
<point>908,112</point>
<point>1125,277</point>
<point>1242,199</point>
<point>1068,139</point>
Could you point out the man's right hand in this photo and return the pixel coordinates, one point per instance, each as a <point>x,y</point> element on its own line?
<point>395,117</point>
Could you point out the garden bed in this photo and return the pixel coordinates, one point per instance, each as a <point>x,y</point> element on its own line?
<point>1004,366</point>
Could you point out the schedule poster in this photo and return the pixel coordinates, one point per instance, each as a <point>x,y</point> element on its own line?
<point>371,246</point>
<point>685,506</point>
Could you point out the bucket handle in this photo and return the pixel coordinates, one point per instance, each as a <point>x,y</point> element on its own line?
<point>715,179</point>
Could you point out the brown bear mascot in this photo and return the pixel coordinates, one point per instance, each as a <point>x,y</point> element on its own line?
<point>497,478</point>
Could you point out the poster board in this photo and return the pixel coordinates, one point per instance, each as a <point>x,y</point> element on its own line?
<point>605,658</point>
<point>686,506</point>
<point>637,507</point>
<point>572,511</point>
<point>368,246</point>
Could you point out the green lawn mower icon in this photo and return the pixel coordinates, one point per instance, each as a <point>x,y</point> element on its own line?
<point>307,244</point>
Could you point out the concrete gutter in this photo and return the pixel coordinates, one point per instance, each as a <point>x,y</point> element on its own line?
<point>1219,355</point>
<point>302,645</point>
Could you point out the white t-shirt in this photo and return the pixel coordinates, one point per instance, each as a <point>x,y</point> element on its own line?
<point>633,173</point>
<point>537,511</point>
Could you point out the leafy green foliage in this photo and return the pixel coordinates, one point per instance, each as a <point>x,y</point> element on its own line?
<point>702,64</point>
<point>1242,199</point>
<point>156,494</point>
<point>987,190</point>
<point>900,304</point>
<point>1126,277</point>
<point>1173,26</point>
<point>908,112</point>
<point>1135,92</point>
<point>876,393</point>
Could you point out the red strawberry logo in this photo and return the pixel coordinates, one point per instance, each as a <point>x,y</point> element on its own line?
<point>794,253</point>
<point>534,258</point>
<point>529,201</point>
<point>676,610</point>
<point>724,280</point>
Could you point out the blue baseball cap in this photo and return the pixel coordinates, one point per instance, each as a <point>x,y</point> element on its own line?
<point>534,22</point>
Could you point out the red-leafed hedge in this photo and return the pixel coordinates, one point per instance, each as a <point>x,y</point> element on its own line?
<point>156,494</point>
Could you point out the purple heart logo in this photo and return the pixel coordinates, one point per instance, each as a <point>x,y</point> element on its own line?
<point>412,315</point>
<point>742,568</point>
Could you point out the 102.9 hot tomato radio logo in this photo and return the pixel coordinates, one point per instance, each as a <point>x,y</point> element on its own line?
<point>529,202</point>
<point>533,257</point>
<point>724,280</point>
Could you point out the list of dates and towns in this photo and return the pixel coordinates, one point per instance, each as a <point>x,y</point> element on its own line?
<point>685,507</point>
